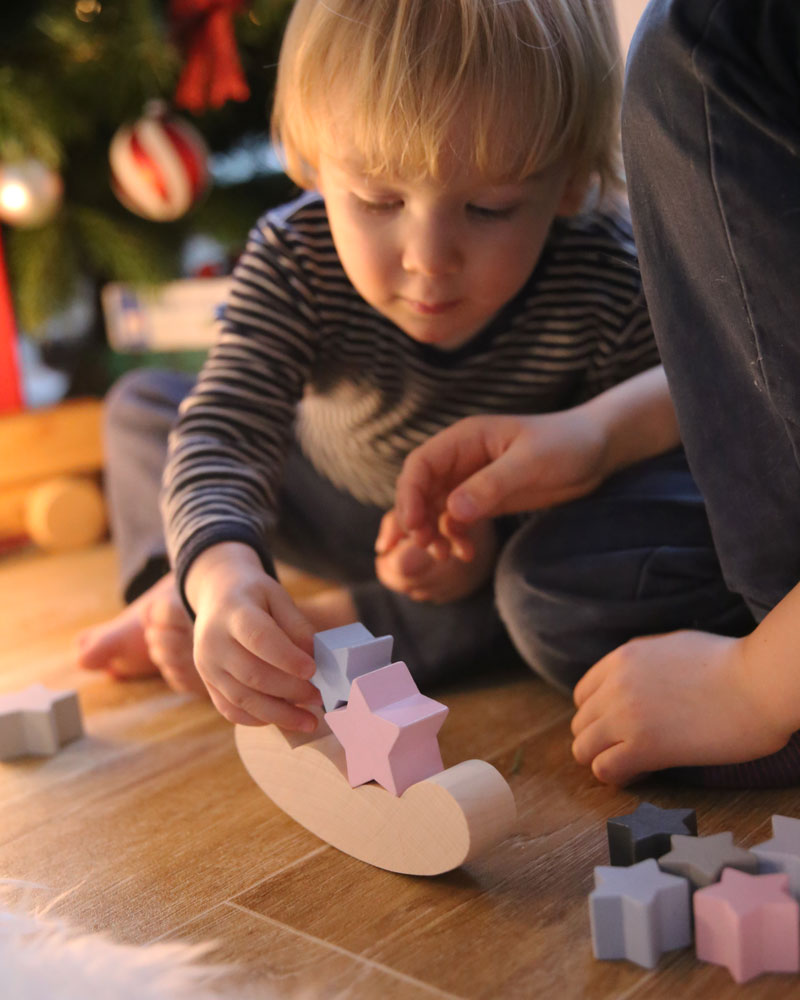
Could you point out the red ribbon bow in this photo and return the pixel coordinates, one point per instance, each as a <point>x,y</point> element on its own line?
<point>213,73</point>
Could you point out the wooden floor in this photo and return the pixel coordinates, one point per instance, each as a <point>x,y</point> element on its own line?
<point>154,830</point>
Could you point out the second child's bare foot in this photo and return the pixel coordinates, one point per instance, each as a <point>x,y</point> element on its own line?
<point>152,635</point>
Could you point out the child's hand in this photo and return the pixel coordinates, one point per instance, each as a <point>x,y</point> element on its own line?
<point>421,574</point>
<point>672,700</point>
<point>253,648</point>
<point>484,466</point>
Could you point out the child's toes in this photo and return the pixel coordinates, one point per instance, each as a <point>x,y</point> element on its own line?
<point>171,651</point>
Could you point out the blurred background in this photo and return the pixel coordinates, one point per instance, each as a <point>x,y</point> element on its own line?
<point>134,157</point>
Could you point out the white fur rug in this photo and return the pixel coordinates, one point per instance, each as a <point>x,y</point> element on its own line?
<point>42,958</point>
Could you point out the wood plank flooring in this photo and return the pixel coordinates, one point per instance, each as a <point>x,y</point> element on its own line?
<point>153,830</point>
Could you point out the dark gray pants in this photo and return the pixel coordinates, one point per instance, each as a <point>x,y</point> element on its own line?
<point>711,136</point>
<point>570,585</point>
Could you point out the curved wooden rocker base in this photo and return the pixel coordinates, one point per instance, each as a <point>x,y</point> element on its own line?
<point>434,826</point>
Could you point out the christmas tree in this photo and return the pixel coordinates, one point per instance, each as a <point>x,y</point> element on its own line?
<point>72,74</point>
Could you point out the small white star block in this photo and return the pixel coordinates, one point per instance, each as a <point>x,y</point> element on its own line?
<point>782,852</point>
<point>638,912</point>
<point>38,721</point>
<point>341,655</point>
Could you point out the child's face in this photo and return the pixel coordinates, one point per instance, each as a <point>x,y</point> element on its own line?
<point>439,259</point>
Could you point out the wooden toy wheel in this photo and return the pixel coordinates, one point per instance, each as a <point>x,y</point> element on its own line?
<point>65,513</point>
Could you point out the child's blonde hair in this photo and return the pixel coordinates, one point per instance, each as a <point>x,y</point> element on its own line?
<point>539,80</point>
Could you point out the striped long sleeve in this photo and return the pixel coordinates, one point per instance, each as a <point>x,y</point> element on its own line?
<point>302,355</point>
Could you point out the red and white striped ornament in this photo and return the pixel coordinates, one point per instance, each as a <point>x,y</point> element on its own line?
<point>159,165</point>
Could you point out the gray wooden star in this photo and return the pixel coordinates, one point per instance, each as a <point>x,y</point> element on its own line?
<point>646,832</point>
<point>701,859</point>
<point>341,655</point>
<point>37,720</point>
<point>782,852</point>
<point>638,912</point>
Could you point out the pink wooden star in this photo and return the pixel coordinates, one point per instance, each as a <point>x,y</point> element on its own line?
<point>389,730</point>
<point>748,923</point>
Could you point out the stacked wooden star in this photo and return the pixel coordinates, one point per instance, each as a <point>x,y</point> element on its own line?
<point>744,903</point>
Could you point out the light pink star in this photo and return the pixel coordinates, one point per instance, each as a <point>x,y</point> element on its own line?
<point>748,923</point>
<point>389,730</point>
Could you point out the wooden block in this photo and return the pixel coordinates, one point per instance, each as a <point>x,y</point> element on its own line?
<point>341,655</point>
<point>748,923</point>
<point>435,826</point>
<point>39,444</point>
<point>782,852</point>
<point>65,513</point>
<point>38,721</point>
<point>638,912</point>
<point>646,832</point>
<point>12,511</point>
<point>389,730</point>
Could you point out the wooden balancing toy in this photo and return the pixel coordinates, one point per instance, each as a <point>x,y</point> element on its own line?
<point>370,780</point>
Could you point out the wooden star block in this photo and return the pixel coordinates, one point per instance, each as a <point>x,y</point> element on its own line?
<point>748,923</point>
<point>782,852</point>
<point>341,655</point>
<point>38,721</point>
<point>434,826</point>
<point>389,730</point>
<point>701,859</point>
<point>646,832</point>
<point>638,912</point>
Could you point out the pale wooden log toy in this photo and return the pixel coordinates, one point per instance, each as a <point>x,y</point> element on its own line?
<point>434,826</point>
<point>49,460</point>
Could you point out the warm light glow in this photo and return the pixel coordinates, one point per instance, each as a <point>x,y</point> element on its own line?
<point>14,197</point>
<point>87,10</point>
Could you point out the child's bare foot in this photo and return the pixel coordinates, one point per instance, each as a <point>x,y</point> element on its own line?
<point>152,635</point>
<point>404,566</point>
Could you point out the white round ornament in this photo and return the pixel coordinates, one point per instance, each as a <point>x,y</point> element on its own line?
<point>30,193</point>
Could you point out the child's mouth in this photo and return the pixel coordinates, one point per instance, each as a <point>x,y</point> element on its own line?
<point>432,308</point>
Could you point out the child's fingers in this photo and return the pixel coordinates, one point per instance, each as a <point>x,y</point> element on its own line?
<point>239,703</point>
<point>291,621</point>
<point>490,490</point>
<point>414,562</point>
<point>589,712</point>
<point>590,682</point>
<point>617,766</point>
<point>389,533</point>
<point>413,491</point>
<point>254,674</point>
<point>456,533</point>
<point>591,741</point>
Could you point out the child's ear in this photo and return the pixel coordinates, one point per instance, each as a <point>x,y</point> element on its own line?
<point>573,197</point>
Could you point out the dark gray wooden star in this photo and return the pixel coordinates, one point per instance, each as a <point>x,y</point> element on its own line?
<point>701,859</point>
<point>646,832</point>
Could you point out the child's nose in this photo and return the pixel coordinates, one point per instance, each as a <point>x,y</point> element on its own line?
<point>431,252</point>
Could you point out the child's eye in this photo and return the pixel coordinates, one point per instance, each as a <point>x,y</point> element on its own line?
<point>482,212</point>
<point>378,207</point>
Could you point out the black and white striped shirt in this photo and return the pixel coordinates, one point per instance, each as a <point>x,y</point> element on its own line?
<point>301,353</point>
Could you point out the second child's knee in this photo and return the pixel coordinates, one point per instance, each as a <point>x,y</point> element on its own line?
<point>557,632</point>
